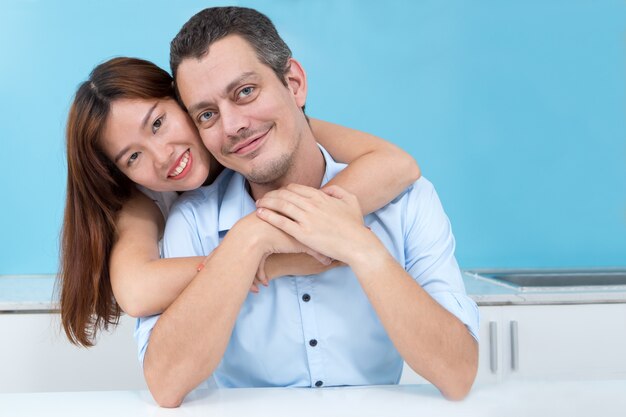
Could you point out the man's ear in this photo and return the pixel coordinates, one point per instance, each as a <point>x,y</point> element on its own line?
<point>296,82</point>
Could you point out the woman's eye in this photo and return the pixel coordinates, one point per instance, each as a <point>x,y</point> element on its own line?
<point>205,116</point>
<point>133,157</point>
<point>157,124</point>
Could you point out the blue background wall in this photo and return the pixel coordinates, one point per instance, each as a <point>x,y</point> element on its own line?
<point>514,109</point>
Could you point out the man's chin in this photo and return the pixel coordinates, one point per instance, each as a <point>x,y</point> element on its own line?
<point>268,172</point>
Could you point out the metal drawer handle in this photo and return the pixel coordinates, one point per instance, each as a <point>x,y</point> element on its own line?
<point>514,346</point>
<point>493,346</point>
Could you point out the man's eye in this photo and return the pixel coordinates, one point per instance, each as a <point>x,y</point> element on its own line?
<point>246,91</point>
<point>205,116</point>
<point>157,124</point>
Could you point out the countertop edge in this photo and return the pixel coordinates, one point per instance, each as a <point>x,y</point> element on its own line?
<point>483,293</point>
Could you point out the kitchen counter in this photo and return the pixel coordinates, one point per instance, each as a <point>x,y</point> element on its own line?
<point>487,292</point>
<point>537,399</point>
<point>26,293</point>
<point>35,293</point>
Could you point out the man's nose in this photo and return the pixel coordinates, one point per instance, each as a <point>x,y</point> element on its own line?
<point>234,120</point>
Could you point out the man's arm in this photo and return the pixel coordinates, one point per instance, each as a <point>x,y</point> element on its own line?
<point>432,340</point>
<point>191,336</point>
<point>189,339</point>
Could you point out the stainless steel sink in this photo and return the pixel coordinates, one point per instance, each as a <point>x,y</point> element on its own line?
<point>555,279</point>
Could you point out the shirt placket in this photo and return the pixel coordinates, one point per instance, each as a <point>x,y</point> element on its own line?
<point>314,345</point>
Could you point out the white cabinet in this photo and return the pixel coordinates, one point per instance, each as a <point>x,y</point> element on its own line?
<point>36,356</point>
<point>584,341</point>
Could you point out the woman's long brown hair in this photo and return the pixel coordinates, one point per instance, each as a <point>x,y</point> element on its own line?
<point>96,191</point>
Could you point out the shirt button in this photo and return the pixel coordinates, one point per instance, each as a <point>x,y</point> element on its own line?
<point>319,384</point>
<point>313,342</point>
<point>306,298</point>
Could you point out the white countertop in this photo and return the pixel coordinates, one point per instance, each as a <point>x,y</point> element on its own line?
<point>36,293</point>
<point>510,399</point>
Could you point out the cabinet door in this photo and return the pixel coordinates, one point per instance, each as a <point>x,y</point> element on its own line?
<point>564,341</point>
<point>35,356</point>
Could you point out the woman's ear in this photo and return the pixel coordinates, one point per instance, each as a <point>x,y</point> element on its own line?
<point>296,82</point>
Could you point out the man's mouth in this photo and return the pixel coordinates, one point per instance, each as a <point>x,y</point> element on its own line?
<point>251,144</point>
<point>182,166</point>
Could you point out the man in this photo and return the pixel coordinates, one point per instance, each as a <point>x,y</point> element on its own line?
<point>400,295</point>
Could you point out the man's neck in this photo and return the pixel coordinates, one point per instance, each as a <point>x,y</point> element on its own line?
<point>308,167</point>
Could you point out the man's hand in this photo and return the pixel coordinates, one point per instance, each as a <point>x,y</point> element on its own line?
<point>273,240</point>
<point>328,221</point>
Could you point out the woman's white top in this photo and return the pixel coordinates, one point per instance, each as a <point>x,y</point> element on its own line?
<point>163,199</point>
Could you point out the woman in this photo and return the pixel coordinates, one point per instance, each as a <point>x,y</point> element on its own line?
<point>125,133</point>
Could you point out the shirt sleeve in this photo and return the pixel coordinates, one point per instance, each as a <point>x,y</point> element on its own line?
<point>180,238</point>
<point>429,254</point>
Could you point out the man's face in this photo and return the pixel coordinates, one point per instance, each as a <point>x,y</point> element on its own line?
<point>248,119</point>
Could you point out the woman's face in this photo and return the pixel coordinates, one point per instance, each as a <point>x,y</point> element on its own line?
<point>155,143</point>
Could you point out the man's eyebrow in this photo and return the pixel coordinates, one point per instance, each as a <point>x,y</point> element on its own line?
<point>243,77</point>
<point>231,85</point>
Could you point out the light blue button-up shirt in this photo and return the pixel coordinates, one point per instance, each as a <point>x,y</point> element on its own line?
<point>318,330</point>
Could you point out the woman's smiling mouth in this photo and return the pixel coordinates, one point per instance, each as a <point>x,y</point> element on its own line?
<point>182,166</point>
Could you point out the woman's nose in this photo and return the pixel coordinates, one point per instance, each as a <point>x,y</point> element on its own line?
<point>164,155</point>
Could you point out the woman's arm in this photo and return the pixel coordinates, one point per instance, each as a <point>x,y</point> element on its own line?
<point>143,283</point>
<point>378,170</point>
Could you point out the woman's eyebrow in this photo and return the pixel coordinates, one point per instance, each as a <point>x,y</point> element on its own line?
<point>120,154</point>
<point>148,114</point>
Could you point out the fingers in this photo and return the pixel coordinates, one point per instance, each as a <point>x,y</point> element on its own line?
<point>346,197</point>
<point>261,276</point>
<point>284,206</point>
<point>279,221</point>
<point>302,190</point>
<point>335,191</point>
<point>299,194</point>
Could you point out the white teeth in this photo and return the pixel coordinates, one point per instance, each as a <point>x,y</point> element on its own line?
<point>183,163</point>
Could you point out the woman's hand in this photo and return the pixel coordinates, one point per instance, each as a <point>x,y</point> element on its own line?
<point>328,221</point>
<point>285,264</point>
